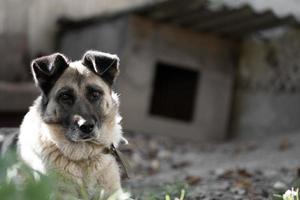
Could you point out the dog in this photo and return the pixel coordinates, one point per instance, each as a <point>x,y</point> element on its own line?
<point>73,127</point>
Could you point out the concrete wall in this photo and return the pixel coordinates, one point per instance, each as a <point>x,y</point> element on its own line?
<point>268,94</point>
<point>140,46</point>
<point>259,114</point>
<point>13,39</point>
<point>14,16</point>
<point>14,66</point>
<point>110,36</point>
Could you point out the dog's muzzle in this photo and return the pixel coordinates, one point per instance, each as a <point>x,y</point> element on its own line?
<point>86,127</point>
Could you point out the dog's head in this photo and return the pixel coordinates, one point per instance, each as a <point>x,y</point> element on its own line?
<point>77,97</point>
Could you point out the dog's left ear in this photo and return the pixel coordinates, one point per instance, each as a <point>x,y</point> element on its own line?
<point>46,70</point>
<point>104,65</point>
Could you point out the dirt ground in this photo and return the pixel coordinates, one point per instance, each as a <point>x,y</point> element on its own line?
<point>253,168</point>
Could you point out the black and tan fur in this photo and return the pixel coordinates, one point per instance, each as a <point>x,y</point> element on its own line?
<point>74,120</point>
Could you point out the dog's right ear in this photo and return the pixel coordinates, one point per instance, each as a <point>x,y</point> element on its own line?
<point>103,64</point>
<point>46,70</point>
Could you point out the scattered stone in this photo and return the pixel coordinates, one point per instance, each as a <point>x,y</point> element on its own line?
<point>180,165</point>
<point>244,173</point>
<point>284,144</point>
<point>193,180</point>
<point>164,154</point>
<point>237,197</point>
<point>264,193</point>
<point>154,166</point>
<point>238,191</point>
<point>224,186</point>
<point>221,174</point>
<point>219,194</point>
<point>270,173</point>
<point>243,183</point>
<point>279,185</point>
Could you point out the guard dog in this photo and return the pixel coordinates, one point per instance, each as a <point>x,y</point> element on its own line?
<point>74,126</point>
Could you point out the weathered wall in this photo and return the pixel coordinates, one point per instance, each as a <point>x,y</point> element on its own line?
<point>13,39</point>
<point>148,43</point>
<point>14,16</point>
<point>268,93</point>
<point>13,54</point>
<point>37,18</point>
<point>108,36</point>
<point>27,29</point>
<point>140,46</point>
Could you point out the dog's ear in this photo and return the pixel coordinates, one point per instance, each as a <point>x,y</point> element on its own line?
<point>46,70</point>
<point>104,65</point>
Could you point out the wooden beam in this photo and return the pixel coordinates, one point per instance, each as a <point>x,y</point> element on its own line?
<point>250,22</point>
<point>163,9</point>
<point>198,16</point>
<point>259,25</point>
<point>223,19</point>
<point>183,10</point>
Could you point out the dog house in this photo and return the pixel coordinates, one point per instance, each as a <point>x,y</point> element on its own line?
<point>177,63</point>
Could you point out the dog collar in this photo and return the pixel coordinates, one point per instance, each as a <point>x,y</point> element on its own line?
<point>120,157</point>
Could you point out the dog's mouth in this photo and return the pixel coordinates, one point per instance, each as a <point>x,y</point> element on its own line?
<point>75,135</point>
<point>90,140</point>
<point>85,140</point>
<point>87,137</point>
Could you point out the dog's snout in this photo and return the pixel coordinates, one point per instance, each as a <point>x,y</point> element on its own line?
<point>87,127</point>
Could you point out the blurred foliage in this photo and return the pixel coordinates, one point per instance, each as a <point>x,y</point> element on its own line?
<point>18,182</point>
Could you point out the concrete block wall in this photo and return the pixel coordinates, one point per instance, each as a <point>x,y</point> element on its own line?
<point>268,86</point>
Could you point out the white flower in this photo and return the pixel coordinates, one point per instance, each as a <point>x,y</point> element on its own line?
<point>290,194</point>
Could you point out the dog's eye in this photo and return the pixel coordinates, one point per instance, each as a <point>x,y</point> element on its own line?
<point>95,96</point>
<point>66,98</point>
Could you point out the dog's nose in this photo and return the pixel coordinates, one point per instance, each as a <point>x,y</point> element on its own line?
<point>87,127</point>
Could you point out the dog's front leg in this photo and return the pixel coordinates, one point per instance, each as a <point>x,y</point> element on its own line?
<point>109,177</point>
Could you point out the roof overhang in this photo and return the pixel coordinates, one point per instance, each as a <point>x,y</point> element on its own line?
<point>198,16</point>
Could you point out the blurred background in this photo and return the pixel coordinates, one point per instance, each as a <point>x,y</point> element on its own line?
<point>210,69</point>
<point>197,70</point>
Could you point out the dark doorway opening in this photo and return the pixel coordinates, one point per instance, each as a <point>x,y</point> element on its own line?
<point>174,92</point>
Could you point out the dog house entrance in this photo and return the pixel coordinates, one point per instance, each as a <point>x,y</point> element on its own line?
<point>174,92</point>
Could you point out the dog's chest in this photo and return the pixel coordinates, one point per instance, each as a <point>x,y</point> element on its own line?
<point>84,170</point>
<point>80,175</point>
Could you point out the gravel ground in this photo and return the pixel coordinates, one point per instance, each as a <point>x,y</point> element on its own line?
<point>253,168</point>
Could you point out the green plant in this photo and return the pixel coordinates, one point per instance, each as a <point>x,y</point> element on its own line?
<point>289,195</point>
<point>171,191</point>
<point>182,195</point>
<point>19,182</point>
